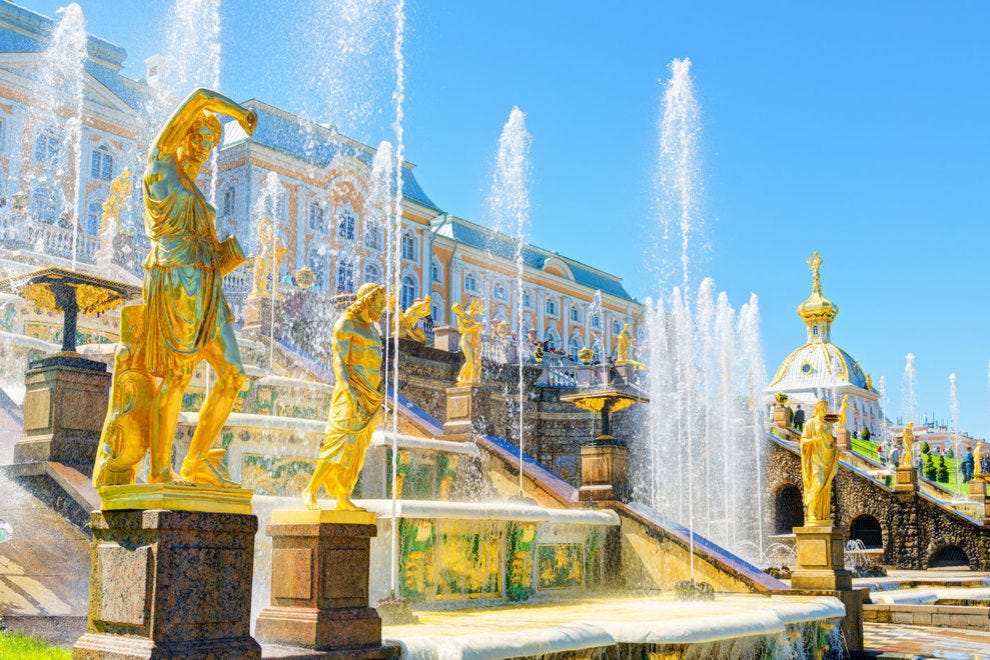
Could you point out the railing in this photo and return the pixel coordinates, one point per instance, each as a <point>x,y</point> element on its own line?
<point>17,231</point>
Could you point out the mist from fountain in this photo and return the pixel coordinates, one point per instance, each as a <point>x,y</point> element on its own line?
<point>508,204</point>
<point>700,460</point>
<point>909,403</point>
<point>58,115</point>
<point>954,414</point>
<point>268,204</point>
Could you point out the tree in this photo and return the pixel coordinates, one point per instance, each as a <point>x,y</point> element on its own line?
<point>941,471</point>
<point>865,434</point>
<point>928,470</point>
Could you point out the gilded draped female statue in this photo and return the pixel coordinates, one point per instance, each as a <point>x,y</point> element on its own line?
<point>819,464</point>
<point>470,342</point>
<point>357,396</point>
<point>187,318</point>
<point>907,442</point>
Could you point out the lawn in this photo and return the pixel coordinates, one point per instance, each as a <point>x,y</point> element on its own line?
<point>868,449</point>
<point>13,645</point>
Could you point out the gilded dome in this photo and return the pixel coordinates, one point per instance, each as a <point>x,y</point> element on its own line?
<point>818,364</point>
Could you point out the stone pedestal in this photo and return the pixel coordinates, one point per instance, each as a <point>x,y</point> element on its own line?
<point>820,559</point>
<point>905,480</point>
<point>783,417</point>
<point>261,312</point>
<point>170,584</point>
<point>604,471</point>
<point>842,438</point>
<point>65,403</point>
<point>978,493</point>
<point>320,566</point>
<point>447,338</point>
<point>463,405</point>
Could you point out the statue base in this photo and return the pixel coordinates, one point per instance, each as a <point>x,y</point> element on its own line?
<point>978,492</point>
<point>842,439</point>
<point>464,403</point>
<point>604,471</point>
<point>905,480</point>
<point>262,311</point>
<point>321,560</point>
<point>65,402</point>
<point>169,584</point>
<point>175,497</point>
<point>446,338</point>
<point>820,559</point>
<point>783,416</point>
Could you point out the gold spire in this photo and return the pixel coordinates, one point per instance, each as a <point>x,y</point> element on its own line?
<point>817,311</point>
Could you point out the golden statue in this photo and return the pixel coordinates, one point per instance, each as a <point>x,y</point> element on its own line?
<point>470,343</point>
<point>503,330</point>
<point>907,442</point>
<point>271,254</point>
<point>819,464</point>
<point>624,347</point>
<point>978,462</point>
<point>116,204</point>
<point>357,396</point>
<point>185,319</point>
<point>843,412</point>
<point>419,309</point>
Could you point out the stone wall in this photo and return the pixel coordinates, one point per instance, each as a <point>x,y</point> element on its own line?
<point>913,526</point>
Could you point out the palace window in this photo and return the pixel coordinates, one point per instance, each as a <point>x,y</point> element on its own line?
<point>527,300</point>
<point>616,327</point>
<point>3,134</point>
<point>374,235</point>
<point>470,282</point>
<point>596,321</point>
<point>46,146</point>
<point>101,164</point>
<point>346,222</point>
<point>436,271</point>
<point>93,216</point>
<point>408,292</point>
<point>499,292</point>
<point>316,217</point>
<point>551,307</point>
<point>44,205</point>
<point>345,276</point>
<point>227,202</point>
<point>318,263</point>
<point>372,273</point>
<point>408,247</point>
<point>575,314</point>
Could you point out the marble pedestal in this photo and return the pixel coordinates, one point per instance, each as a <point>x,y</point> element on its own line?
<point>820,559</point>
<point>319,599</point>
<point>783,416</point>
<point>604,471</point>
<point>842,438</point>
<point>978,493</point>
<point>170,584</point>
<point>905,479</point>
<point>464,403</point>
<point>65,402</point>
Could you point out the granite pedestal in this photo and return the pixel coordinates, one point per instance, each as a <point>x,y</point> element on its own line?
<point>604,471</point>
<point>170,584</point>
<point>319,599</point>
<point>464,403</point>
<point>842,438</point>
<point>905,480</point>
<point>263,313</point>
<point>65,402</point>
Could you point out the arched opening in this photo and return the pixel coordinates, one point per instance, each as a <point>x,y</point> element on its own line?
<point>867,529</point>
<point>788,510</point>
<point>949,556</point>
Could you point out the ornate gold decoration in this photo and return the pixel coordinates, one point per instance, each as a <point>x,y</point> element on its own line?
<point>624,347</point>
<point>408,318</point>
<point>843,412</point>
<point>357,396</point>
<point>470,342</point>
<point>309,516</point>
<point>781,397</point>
<point>978,473</point>
<point>585,355</point>
<point>185,319</point>
<point>819,464</point>
<point>271,254</point>
<point>503,329</point>
<point>907,442</point>
<point>116,203</point>
<point>305,278</point>
<point>817,311</point>
<point>176,497</point>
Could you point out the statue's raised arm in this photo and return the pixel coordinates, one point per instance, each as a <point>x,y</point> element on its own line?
<point>191,111</point>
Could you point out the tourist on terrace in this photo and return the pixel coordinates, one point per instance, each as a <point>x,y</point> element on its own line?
<point>968,464</point>
<point>798,418</point>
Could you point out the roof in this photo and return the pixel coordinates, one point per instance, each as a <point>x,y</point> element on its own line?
<point>500,245</point>
<point>312,143</point>
<point>819,364</point>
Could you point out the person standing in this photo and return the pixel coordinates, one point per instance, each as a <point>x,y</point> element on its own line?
<point>967,464</point>
<point>798,418</point>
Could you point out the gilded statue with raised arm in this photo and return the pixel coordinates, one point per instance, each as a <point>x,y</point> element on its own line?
<point>357,397</point>
<point>843,412</point>
<point>186,318</point>
<point>470,342</point>
<point>624,348</point>
<point>819,464</point>
<point>907,445</point>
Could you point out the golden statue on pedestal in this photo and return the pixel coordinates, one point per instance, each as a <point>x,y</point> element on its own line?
<point>408,318</point>
<point>116,203</point>
<point>470,342</point>
<point>271,254</point>
<point>843,413</point>
<point>624,347</point>
<point>819,464</point>
<point>185,317</point>
<point>357,396</point>
<point>907,443</point>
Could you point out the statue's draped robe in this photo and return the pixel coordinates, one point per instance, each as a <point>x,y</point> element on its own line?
<point>349,429</point>
<point>183,287</point>
<point>470,345</point>
<point>819,464</point>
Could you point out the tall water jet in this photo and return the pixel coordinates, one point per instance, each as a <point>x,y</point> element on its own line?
<point>58,116</point>
<point>268,204</point>
<point>678,183</point>
<point>884,427</point>
<point>508,203</point>
<point>954,413</point>
<point>909,403</point>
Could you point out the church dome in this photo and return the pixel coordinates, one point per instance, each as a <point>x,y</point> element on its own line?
<point>818,364</point>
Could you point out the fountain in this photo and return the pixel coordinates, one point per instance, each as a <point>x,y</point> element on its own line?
<point>909,404</point>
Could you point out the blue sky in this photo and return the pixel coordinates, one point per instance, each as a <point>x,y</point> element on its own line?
<point>857,129</point>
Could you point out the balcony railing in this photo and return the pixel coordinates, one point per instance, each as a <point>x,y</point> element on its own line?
<point>19,232</point>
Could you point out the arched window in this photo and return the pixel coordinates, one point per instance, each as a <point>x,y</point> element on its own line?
<point>408,247</point>
<point>227,202</point>
<point>574,347</point>
<point>551,307</point>
<point>318,263</point>
<point>44,206</point>
<point>46,146</point>
<point>93,216</point>
<point>345,276</point>
<point>346,223</point>
<point>101,164</point>
<point>436,271</point>
<point>552,337</point>
<point>372,273</point>
<point>408,291</point>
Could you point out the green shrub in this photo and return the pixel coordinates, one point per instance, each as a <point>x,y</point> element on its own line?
<point>941,471</point>
<point>865,434</point>
<point>928,469</point>
<point>925,449</point>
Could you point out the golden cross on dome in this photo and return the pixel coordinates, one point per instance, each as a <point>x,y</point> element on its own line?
<point>816,264</point>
